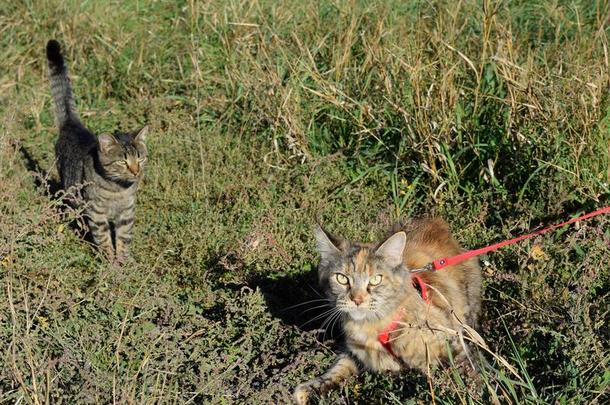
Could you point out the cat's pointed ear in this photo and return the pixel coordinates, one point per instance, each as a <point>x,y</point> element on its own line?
<point>106,141</point>
<point>392,249</point>
<point>326,243</point>
<point>140,135</point>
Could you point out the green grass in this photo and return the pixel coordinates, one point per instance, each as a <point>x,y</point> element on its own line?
<point>269,115</point>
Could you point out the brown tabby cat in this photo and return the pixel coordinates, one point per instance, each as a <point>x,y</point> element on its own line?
<point>391,323</point>
<point>107,167</point>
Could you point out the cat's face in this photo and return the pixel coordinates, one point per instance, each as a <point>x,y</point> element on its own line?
<point>123,155</point>
<point>365,283</point>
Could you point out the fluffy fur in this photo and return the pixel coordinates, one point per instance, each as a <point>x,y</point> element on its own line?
<point>105,170</point>
<point>370,286</point>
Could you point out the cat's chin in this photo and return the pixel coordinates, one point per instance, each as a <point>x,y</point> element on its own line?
<point>358,314</point>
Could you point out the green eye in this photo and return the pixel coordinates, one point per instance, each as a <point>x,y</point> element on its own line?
<point>341,279</point>
<point>376,279</point>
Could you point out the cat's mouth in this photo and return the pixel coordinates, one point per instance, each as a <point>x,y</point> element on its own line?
<point>359,313</point>
<point>367,310</point>
<point>122,181</point>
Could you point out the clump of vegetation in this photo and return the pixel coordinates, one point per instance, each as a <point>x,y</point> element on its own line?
<point>267,115</point>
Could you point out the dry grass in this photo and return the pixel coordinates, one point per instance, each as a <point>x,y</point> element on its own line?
<point>267,115</point>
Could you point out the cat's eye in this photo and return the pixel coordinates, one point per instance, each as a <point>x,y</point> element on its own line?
<point>376,280</point>
<point>342,279</point>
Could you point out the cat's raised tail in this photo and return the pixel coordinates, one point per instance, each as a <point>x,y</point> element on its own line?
<point>61,89</point>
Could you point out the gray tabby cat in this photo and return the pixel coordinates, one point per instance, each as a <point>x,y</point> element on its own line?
<point>107,167</point>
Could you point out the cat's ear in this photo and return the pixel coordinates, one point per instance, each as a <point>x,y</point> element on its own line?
<point>392,249</point>
<point>326,243</point>
<point>106,141</point>
<point>140,135</point>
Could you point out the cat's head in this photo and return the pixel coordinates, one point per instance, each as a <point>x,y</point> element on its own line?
<point>123,155</point>
<point>364,282</point>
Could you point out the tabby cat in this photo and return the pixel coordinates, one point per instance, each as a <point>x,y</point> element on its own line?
<point>105,169</point>
<point>392,321</point>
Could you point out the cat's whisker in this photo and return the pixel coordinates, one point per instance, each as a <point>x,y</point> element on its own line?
<point>307,302</point>
<point>322,315</point>
<point>314,300</point>
<point>380,310</point>
<point>379,314</point>
<point>333,312</point>
<point>331,321</point>
<point>314,308</point>
<point>326,323</point>
<point>315,291</point>
<point>331,328</point>
<point>335,315</point>
<point>323,327</point>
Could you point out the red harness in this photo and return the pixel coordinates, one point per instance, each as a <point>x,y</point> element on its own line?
<point>384,336</point>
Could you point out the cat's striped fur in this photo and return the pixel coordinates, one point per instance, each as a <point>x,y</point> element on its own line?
<point>370,287</point>
<point>102,171</point>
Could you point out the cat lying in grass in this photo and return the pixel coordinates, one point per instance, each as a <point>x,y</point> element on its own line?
<point>107,167</point>
<point>392,320</point>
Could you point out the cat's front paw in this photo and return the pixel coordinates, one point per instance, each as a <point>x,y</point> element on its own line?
<point>302,393</point>
<point>120,261</point>
<point>109,256</point>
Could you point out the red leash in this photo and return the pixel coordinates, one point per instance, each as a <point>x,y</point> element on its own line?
<point>451,260</point>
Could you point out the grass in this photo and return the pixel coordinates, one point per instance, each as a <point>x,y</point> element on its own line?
<point>266,116</point>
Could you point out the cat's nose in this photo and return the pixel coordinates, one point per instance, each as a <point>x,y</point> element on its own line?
<point>358,299</point>
<point>134,169</point>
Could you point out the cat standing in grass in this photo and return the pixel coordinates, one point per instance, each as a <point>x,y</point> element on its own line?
<point>106,168</point>
<point>390,320</point>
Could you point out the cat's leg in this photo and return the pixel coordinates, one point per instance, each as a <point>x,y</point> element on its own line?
<point>100,230</point>
<point>343,368</point>
<point>123,233</point>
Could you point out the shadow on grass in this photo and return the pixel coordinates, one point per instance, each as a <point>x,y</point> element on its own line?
<point>52,189</point>
<point>42,178</point>
<point>295,299</point>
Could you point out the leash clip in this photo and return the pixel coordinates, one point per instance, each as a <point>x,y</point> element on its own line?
<point>427,267</point>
